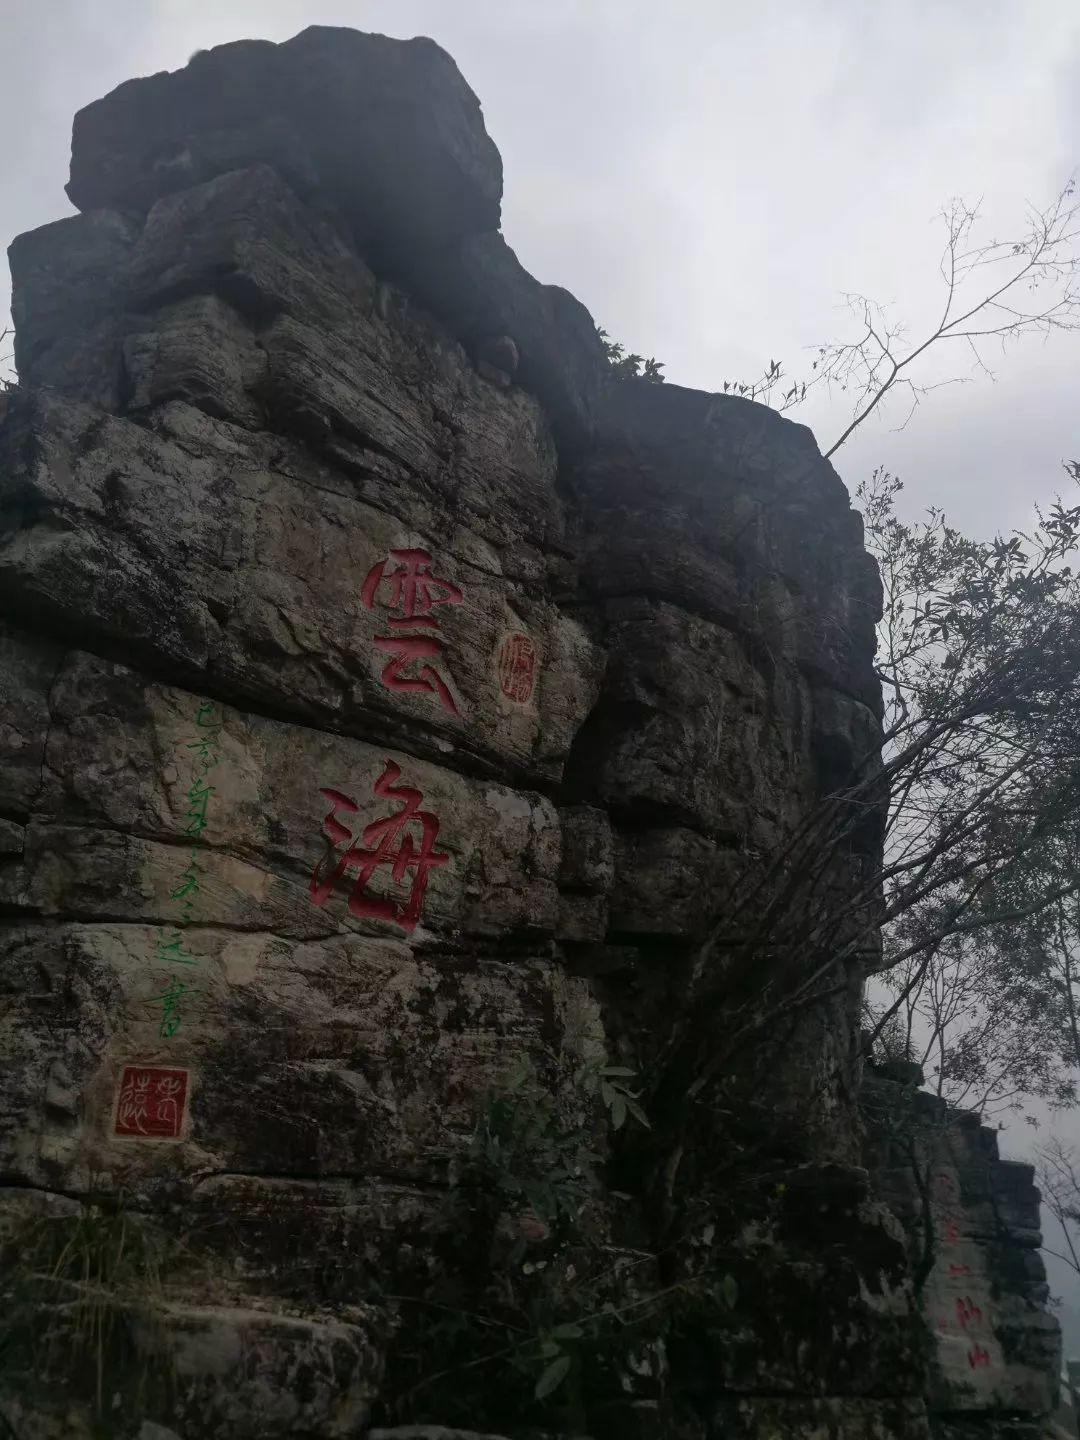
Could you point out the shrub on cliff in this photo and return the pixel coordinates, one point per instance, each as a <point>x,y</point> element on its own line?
<point>975,805</point>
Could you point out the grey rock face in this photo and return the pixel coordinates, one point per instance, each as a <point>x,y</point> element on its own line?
<point>995,1349</point>
<point>386,141</point>
<point>384,130</point>
<point>427,1432</point>
<point>387,697</point>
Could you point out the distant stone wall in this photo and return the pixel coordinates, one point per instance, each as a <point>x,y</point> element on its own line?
<point>972,1221</point>
<point>386,693</point>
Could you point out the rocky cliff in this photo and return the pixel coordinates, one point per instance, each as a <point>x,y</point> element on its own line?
<point>389,695</point>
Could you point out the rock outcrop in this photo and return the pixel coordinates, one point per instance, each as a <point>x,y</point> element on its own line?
<point>387,695</point>
<point>973,1225</point>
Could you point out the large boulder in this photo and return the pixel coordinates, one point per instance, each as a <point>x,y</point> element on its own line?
<point>387,131</point>
<point>385,140</point>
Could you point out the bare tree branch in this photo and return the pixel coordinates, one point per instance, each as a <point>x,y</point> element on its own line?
<point>1000,291</point>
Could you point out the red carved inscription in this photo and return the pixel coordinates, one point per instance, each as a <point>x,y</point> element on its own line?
<point>945,1187</point>
<point>386,843</point>
<point>414,591</point>
<point>517,668</point>
<point>151,1102</point>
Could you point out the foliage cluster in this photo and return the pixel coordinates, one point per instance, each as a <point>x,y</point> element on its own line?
<point>539,1317</point>
<point>959,837</point>
<point>627,366</point>
<point>78,1287</point>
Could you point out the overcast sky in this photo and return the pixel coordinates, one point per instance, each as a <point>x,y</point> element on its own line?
<point>706,176</point>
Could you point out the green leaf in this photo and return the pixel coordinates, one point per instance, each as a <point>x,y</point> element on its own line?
<point>549,1348</point>
<point>567,1332</point>
<point>638,1113</point>
<point>618,1070</point>
<point>618,1112</point>
<point>729,1289</point>
<point>552,1377</point>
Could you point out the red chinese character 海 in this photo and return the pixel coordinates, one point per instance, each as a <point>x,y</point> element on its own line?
<point>517,665</point>
<point>386,844</point>
<point>415,592</point>
<point>967,1312</point>
<point>978,1356</point>
<point>151,1102</point>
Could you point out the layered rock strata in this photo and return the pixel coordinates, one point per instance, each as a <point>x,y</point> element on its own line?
<point>387,693</point>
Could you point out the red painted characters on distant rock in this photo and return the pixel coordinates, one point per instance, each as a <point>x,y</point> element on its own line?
<point>517,668</point>
<point>415,592</point>
<point>384,843</point>
<point>945,1188</point>
<point>151,1102</point>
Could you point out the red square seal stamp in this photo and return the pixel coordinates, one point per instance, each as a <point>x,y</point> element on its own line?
<point>151,1102</point>
<point>517,668</point>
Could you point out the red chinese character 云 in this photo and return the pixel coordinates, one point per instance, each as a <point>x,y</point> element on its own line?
<point>967,1312</point>
<point>415,592</point>
<point>383,842</point>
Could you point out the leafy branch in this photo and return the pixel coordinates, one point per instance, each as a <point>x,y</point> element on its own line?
<point>974,798</point>
<point>627,366</point>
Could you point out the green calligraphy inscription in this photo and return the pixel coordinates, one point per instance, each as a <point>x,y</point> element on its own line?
<point>172,952</point>
<point>169,1000</point>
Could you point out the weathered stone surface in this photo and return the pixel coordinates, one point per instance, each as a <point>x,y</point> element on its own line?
<point>825,1419</point>
<point>257,581</point>
<point>588,853</point>
<point>427,1432</point>
<point>996,1350</point>
<point>199,351</point>
<point>417,182</point>
<point>118,760</point>
<point>480,287</point>
<point>330,362</point>
<point>730,513</point>
<point>27,667</point>
<point>690,731</point>
<point>582,917</point>
<point>233,1370</point>
<point>661,880</point>
<point>315,943</point>
<point>388,128</point>
<point>67,292</point>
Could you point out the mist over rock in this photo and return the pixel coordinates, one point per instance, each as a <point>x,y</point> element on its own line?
<point>390,696</point>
